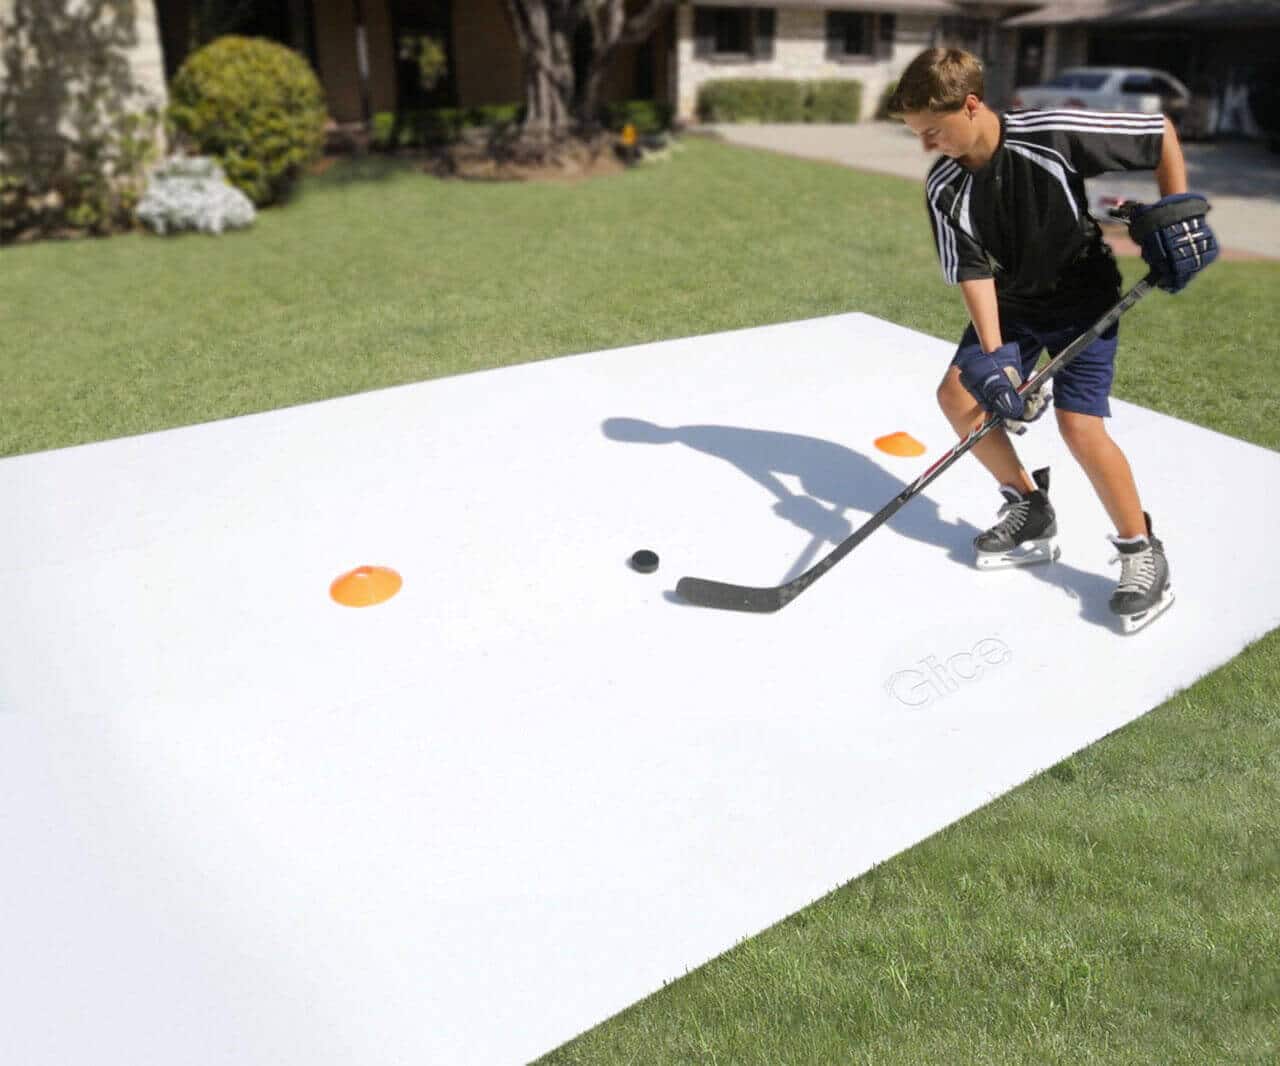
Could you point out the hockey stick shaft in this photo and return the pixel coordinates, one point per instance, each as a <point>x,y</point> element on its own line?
<point>705,593</point>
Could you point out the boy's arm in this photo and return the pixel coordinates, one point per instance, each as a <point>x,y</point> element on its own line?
<point>1171,171</point>
<point>980,300</point>
<point>1176,241</point>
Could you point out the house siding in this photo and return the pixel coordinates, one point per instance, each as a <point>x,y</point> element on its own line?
<point>335,37</point>
<point>486,55</point>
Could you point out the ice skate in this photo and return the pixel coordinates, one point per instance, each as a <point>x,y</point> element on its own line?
<point>1144,592</point>
<point>1026,532</point>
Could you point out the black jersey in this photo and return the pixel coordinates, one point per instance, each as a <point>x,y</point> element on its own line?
<point>1023,218</point>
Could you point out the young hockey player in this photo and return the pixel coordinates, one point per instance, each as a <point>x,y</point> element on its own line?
<point>1012,227</point>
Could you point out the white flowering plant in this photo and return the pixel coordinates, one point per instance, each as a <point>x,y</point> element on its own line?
<point>192,193</point>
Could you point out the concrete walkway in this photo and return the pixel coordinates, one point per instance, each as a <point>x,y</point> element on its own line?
<point>1241,179</point>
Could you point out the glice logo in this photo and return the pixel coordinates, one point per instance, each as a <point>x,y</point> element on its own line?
<point>932,679</point>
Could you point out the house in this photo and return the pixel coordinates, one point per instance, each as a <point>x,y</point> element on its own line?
<point>869,41</point>
<point>359,47</point>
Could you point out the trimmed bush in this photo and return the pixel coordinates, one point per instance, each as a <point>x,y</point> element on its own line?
<point>193,194</point>
<point>254,106</point>
<point>751,100</point>
<point>833,101</point>
<point>780,100</point>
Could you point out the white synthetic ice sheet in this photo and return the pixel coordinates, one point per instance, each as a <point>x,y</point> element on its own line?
<point>242,824</point>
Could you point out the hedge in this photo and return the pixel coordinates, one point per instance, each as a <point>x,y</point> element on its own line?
<point>779,100</point>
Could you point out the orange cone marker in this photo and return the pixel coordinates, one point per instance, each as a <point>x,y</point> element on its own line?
<point>366,586</point>
<point>900,444</point>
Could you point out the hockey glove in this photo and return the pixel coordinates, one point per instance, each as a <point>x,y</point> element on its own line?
<point>993,379</point>
<point>1034,404</point>
<point>1176,241</point>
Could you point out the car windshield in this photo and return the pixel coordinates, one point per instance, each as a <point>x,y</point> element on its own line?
<point>1077,79</point>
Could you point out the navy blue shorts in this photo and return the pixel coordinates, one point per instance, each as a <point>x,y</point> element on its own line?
<point>1084,385</point>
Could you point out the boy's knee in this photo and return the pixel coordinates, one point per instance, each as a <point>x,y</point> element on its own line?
<point>1081,431</point>
<point>952,395</point>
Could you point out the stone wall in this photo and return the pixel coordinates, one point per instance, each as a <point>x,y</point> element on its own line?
<point>57,54</point>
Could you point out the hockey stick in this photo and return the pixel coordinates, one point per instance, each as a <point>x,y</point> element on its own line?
<point>704,593</point>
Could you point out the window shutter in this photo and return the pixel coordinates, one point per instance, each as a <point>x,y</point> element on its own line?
<point>704,32</point>
<point>762,39</point>
<point>835,34</point>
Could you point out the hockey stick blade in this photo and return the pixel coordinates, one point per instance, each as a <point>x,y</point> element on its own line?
<point>704,593</point>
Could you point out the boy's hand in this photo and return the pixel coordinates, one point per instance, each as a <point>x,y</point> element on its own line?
<point>993,378</point>
<point>1034,404</point>
<point>1176,241</point>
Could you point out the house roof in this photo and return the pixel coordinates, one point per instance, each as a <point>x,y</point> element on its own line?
<point>1146,12</point>
<point>901,7</point>
<point>1060,12</point>
<point>1235,12</point>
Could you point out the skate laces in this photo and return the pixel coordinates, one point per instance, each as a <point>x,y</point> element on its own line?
<point>1012,516</point>
<point>1137,569</point>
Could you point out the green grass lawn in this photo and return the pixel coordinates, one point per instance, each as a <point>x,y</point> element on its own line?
<point>1123,907</point>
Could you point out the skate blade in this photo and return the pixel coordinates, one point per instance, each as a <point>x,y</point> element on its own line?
<point>1131,623</point>
<point>1037,551</point>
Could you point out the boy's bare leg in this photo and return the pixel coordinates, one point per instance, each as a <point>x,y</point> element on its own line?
<point>1107,469</point>
<point>995,450</point>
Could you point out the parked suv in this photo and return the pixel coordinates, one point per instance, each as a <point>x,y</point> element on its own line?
<point>1110,89</point>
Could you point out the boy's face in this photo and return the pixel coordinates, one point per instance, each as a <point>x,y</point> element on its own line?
<point>953,133</point>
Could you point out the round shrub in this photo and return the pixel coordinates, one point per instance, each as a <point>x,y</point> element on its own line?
<point>254,106</point>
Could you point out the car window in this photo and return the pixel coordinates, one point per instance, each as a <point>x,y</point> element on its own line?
<point>1140,83</point>
<point>1077,79</point>
<point>1165,87</point>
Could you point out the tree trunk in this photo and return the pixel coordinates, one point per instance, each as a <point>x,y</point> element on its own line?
<point>611,29</point>
<point>544,29</point>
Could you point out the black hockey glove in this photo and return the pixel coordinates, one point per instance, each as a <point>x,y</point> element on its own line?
<point>1176,241</point>
<point>993,379</point>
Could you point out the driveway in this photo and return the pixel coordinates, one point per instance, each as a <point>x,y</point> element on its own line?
<point>1240,178</point>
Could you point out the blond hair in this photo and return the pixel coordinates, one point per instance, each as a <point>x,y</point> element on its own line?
<point>938,79</point>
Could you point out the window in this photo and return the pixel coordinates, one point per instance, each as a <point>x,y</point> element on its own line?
<point>1075,79</point>
<point>850,33</point>
<point>733,33</point>
<point>1140,83</point>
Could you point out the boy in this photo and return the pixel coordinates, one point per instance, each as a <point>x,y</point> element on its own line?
<point>1012,227</point>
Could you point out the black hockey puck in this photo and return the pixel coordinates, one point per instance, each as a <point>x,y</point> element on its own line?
<point>645,561</point>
